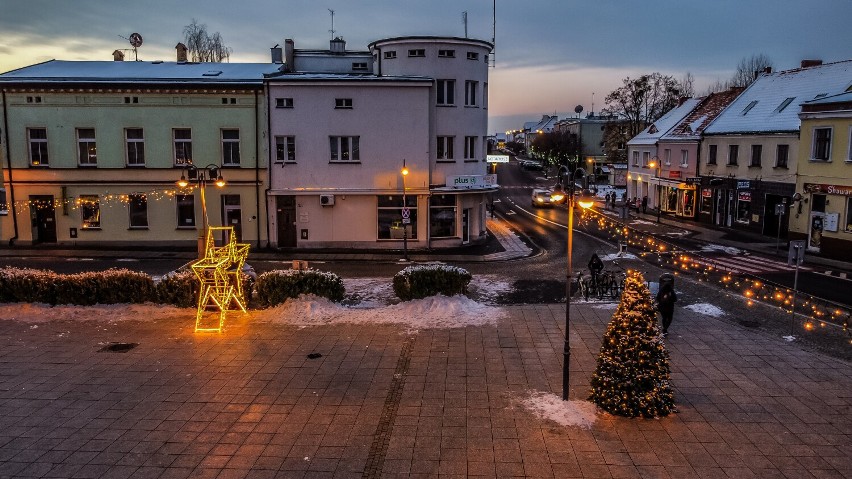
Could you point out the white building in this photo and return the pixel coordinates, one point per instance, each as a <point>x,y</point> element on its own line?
<point>342,125</point>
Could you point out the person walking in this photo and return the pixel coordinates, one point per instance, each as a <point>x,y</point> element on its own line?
<point>644,204</point>
<point>666,298</point>
<point>595,267</point>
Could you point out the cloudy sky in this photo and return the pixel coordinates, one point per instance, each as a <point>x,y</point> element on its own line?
<point>551,55</point>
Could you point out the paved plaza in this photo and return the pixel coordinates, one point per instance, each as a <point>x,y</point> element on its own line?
<point>386,401</point>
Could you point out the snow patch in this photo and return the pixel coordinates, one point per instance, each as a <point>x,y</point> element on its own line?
<point>724,249</point>
<point>566,413</point>
<point>641,222</point>
<point>489,288</point>
<point>617,256</point>
<point>789,339</point>
<point>706,309</point>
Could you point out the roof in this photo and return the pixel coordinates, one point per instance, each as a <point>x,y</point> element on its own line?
<point>654,131</point>
<point>771,103</point>
<point>428,38</point>
<point>332,77</point>
<point>693,124</point>
<point>108,72</point>
<point>828,100</point>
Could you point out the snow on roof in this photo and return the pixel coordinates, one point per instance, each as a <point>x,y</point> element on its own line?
<point>656,130</point>
<point>691,126</point>
<point>139,72</point>
<point>827,100</point>
<point>760,109</point>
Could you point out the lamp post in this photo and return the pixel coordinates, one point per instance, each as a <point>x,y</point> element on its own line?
<point>406,218</point>
<point>585,201</point>
<point>200,176</point>
<point>655,163</point>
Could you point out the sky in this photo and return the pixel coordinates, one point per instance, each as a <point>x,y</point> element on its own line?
<point>551,55</point>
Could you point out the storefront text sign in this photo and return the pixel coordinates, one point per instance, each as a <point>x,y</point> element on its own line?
<point>842,190</point>
<point>497,158</point>
<point>471,181</point>
<point>743,185</point>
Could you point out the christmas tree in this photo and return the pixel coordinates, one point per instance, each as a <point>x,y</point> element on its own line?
<point>632,374</point>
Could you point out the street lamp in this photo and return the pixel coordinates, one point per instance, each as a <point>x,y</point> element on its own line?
<point>406,218</point>
<point>655,163</point>
<point>585,200</point>
<point>200,176</point>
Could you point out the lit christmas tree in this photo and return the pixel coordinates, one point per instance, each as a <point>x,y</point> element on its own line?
<point>632,375</point>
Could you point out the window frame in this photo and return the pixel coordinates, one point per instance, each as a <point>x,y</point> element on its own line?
<point>470,148</point>
<point>43,148</point>
<point>445,149</point>
<point>756,162</point>
<point>360,66</point>
<point>435,209</point>
<point>336,150</point>
<point>138,151</point>
<point>684,158</point>
<point>778,149</point>
<point>473,56</point>
<point>140,201</point>
<point>417,52</point>
<point>229,147</point>
<point>285,149</point>
<point>182,147</point>
<point>646,158</point>
<point>470,92</point>
<point>84,145</point>
<point>92,220</point>
<point>712,153</point>
<point>667,157</point>
<point>284,102</point>
<point>446,92</point>
<point>443,53</point>
<point>185,204</point>
<point>733,155</point>
<point>848,225</point>
<point>817,143</point>
<point>635,158</point>
<point>342,103</point>
<point>394,210</point>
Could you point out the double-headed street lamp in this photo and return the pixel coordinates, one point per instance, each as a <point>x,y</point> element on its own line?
<point>655,163</point>
<point>585,200</point>
<point>201,176</point>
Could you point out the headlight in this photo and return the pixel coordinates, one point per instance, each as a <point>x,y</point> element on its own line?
<point>557,197</point>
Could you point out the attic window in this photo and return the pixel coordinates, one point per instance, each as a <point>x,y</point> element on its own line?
<point>211,73</point>
<point>359,66</point>
<point>821,95</point>
<point>472,56</point>
<point>417,52</point>
<point>784,104</point>
<point>446,53</point>
<point>226,100</point>
<point>390,55</point>
<point>687,129</point>
<point>749,107</point>
<point>653,129</point>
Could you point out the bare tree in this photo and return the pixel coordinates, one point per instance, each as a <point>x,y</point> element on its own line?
<point>748,68</point>
<point>687,85</point>
<point>203,47</point>
<point>643,100</point>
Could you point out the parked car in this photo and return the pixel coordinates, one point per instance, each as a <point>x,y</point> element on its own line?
<point>532,165</point>
<point>542,198</point>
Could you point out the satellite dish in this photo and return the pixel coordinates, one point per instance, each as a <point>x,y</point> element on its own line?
<point>578,109</point>
<point>135,40</point>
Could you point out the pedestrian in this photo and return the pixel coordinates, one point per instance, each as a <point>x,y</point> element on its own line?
<point>595,266</point>
<point>666,298</point>
<point>644,204</point>
<point>606,201</point>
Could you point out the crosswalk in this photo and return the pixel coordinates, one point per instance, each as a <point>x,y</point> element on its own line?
<point>746,264</point>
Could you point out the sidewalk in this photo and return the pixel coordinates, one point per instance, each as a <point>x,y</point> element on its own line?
<point>383,400</point>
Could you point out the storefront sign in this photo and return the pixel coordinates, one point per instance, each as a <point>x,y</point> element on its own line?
<point>472,181</point>
<point>842,190</point>
<point>497,158</point>
<point>693,181</point>
<point>674,174</point>
<point>706,193</point>
<point>743,185</point>
<point>744,196</point>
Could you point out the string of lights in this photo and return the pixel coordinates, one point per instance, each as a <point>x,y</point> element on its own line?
<point>104,200</point>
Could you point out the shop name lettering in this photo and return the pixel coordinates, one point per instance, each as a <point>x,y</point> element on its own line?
<point>465,181</point>
<point>836,190</point>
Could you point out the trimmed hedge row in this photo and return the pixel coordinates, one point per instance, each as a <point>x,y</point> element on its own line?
<point>421,281</point>
<point>276,287</point>
<point>103,287</point>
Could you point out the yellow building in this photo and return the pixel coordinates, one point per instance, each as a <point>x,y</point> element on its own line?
<point>823,213</point>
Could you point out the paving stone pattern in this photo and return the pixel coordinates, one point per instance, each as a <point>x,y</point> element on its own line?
<point>250,403</point>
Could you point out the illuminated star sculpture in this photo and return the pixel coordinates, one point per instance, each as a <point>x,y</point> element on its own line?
<point>220,274</point>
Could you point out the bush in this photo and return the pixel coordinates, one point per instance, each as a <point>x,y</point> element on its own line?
<point>100,287</point>
<point>275,287</point>
<point>181,288</point>
<point>421,281</point>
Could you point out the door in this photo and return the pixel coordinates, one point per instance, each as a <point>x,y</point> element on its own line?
<point>729,213</point>
<point>286,219</point>
<point>232,213</point>
<point>815,226</point>
<point>774,218</point>
<point>466,226</point>
<point>43,215</point>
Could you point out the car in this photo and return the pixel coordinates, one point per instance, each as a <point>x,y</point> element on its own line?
<point>541,198</point>
<point>532,165</point>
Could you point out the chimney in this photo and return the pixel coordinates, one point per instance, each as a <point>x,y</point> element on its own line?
<point>767,70</point>
<point>118,56</point>
<point>338,45</point>
<point>682,100</point>
<point>289,49</point>
<point>277,54</point>
<point>811,63</point>
<point>181,52</point>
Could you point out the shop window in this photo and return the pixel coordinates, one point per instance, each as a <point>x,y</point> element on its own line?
<point>90,212</point>
<point>442,216</point>
<point>707,201</point>
<point>390,226</point>
<point>743,207</point>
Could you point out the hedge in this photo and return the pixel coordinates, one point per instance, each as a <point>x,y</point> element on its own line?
<point>275,287</point>
<point>421,281</point>
<point>101,287</point>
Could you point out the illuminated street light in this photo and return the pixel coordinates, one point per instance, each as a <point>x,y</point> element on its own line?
<point>200,176</point>
<point>404,173</point>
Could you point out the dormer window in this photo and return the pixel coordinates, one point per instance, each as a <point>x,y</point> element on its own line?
<point>417,52</point>
<point>653,129</point>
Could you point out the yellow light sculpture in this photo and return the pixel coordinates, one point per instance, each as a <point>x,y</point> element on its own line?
<point>220,274</point>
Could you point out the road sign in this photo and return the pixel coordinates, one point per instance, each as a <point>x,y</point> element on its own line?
<point>406,221</point>
<point>497,158</point>
<point>406,213</point>
<point>796,252</point>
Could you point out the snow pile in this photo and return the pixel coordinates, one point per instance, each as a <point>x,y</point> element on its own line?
<point>718,247</point>
<point>370,292</point>
<point>706,309</point>
<point>566,413</point>
<point>489,288</point>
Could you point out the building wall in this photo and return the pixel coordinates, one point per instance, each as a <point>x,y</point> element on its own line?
<point>61,113</point>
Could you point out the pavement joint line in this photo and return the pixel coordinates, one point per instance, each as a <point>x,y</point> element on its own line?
<point>381,438</point>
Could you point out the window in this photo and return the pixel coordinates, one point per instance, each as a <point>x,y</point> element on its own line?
<point>4,203</point>
<point>343,103</point>
<point>285,149</point>
<point>848,226</point>
<point>446,92</point>
<point>784,104</point>
<point>445,147</point>
<point>442,216</point>
<point>390,225</point>
<point>137,206</point>
<point>646,158</point>
<point>183,145</point>
<point>711,155</point>
<point>87,151</point>
<point>131,99</point>
<point>135,139</point>
<point>446,53</point>
<point>781,155</point>
<point>822,144</point>
<point>185,211</point>
<point>485,95</point>
<point>743,206</point>
<point>749,107</point>
<point>684,158</point>
<point>360,66</point>
<point>470,148</point>
<point>417,52</point>
<point>230,147</point>
<point>283,103</point>
<point>225,101</point>
<point>756,151</point>
<point>37,138</point>
<point>635,158</point>
<point>667,157</point>
<point>472,56</point>
<point>345,149</point>
<point>390,55</point>
<point>470,92</point>
<point>733,153</point>
<point>33,99</point>
<point>90,212</point>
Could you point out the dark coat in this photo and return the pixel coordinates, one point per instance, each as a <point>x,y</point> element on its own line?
<point>666,298</point>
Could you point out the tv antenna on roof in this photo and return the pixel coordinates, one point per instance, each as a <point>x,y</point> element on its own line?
<point>135,42</point>
<point>332,23</point>
<point>464,21</point>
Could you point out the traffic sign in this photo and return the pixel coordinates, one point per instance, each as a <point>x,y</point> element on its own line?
<point>406,221</point>
<point>406,213</point>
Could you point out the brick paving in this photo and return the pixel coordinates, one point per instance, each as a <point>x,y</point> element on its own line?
<point>382,401</point>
